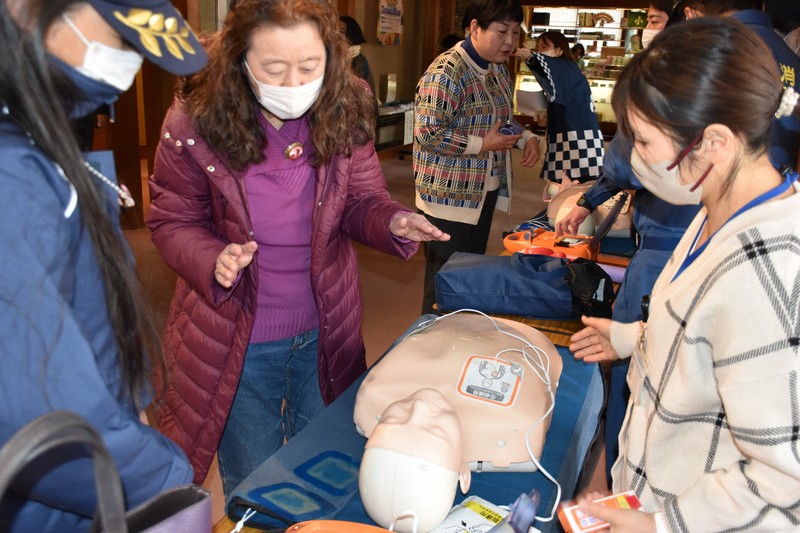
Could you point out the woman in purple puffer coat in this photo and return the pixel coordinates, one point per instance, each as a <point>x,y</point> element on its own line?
<point>265,173</point>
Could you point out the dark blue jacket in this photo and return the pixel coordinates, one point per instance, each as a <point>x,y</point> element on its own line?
<point>785,137</point>
<point>574,140</point>
<point>57,348</point>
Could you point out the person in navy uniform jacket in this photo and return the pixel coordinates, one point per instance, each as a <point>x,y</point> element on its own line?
<point>74,330</point>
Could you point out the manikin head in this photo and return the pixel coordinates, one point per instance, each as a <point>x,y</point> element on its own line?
<point>413,462</point>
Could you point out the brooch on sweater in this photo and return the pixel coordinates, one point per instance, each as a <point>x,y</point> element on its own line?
<point>290,130</point>
<point>294,150</point>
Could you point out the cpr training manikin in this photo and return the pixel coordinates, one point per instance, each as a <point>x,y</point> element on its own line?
<point>462,392</point>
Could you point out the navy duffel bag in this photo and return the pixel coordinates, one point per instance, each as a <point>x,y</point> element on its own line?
<point>528,285</point>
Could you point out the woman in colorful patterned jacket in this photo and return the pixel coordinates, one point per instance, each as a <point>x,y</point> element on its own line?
<point>265,173</point>
<point>462,161</point>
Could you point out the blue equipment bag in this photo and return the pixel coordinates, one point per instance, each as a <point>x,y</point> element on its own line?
<point>529,285</point>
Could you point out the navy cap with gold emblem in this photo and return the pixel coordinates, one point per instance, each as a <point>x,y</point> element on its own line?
<point>157,30</point>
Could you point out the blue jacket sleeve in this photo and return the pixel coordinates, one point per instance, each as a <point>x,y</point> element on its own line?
<point>617,174</point>
<point>57,348</point>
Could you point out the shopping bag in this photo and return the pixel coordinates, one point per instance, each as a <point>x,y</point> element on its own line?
<point>179,509</point>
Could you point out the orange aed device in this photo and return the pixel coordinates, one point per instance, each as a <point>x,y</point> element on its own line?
<point>333,526</point>
<point>575,521</point>
<point>544,242</point>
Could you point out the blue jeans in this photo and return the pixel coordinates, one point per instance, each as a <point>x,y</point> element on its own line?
<point>278,395</point>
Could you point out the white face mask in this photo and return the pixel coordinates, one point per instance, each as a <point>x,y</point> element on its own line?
<point>663,181</point>
<point>104,63</point>
<point>647,36</point>
<point>286,103</point>
<point>550,53</point>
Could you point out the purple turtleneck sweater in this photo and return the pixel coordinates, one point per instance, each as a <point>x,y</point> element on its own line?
<point>280,193</point>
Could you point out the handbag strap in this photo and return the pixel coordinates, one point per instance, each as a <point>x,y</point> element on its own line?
<point>57,429</point>
<point>602,230</point>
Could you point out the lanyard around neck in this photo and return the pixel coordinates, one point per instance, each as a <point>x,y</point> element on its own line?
<point>694,253</point>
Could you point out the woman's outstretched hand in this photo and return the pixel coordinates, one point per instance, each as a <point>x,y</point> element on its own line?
<point>593,343</point>
<point>415,227</point>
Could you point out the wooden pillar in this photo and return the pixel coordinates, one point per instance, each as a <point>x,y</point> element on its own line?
<point>191,12</point>
<point>346,7</point>
<point>135,133</point>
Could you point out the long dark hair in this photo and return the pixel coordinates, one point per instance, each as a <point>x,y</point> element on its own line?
<point>34,93</point>
<point>222,104</point>
<point>665,6</point>
<point>711,8</point>
<point>352,30</point>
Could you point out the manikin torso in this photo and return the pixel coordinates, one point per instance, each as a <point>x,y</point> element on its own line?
<point>495,393</point>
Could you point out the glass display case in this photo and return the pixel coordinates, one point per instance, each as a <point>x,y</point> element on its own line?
<point>592,27</point>
<point>610,36</point>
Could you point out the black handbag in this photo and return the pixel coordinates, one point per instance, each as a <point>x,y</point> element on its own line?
<point>186,508</point>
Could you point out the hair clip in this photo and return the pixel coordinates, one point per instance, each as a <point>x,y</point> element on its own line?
<point>788,103</point>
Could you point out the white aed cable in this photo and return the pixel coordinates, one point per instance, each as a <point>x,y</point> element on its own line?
<point>250,513</point>
<point>539,362</point>
<point>406,514</point>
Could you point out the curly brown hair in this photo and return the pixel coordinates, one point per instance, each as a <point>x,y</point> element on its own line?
<point>225,111</point>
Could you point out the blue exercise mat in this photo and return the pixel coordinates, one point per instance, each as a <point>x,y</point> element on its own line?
<point>315,475</point>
